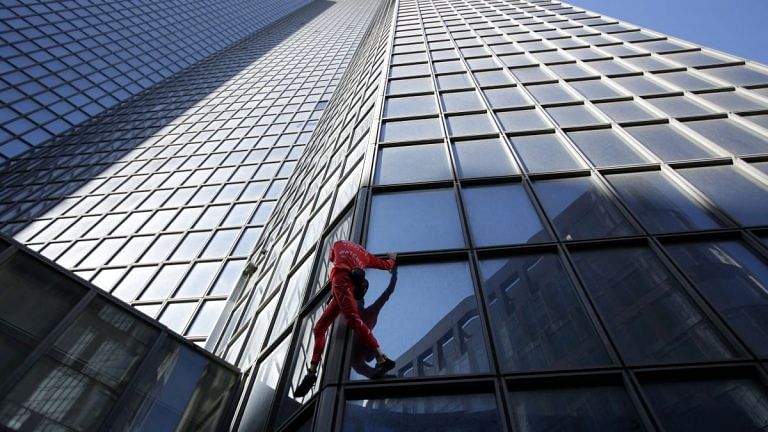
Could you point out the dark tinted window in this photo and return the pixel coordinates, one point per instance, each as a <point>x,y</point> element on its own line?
<point>710,405</point>
<point>647,312</point>
<point>537,320</point>
<point>580,209</point>
<point>735,280</point>
<point>466,413</point>
<point>601,408</point>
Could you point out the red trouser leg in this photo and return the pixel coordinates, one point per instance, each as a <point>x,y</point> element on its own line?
<point>342,288</point>
<point>320,331</point>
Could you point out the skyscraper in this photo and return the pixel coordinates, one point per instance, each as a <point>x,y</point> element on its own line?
<point>578,205</point>
<point>161,199</point>
<point>568,195</point>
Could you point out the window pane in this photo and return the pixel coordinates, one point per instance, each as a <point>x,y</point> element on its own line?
<point>411,85</point>
<point>492,78</point>
<point>466,413</point>
<point>461,101</point>
<point>537,320</point>
<point>735,280</point>
<point>453,81</point>
<point>206,318</point>
<point>506,97</point>
<point>522,120</point>
<point>732,404</point>
<point>34,297</point>
<point>731,136</point>
<point>640,85</point>
<point>502,214</point>
<point>411,221</point>
<point>483,158</point>
<point>574,115</point>
<point>198,280</point>
<point>600,408</point>
<point>733,101</point>
<point>543,153</point>
<point>475,124</point>
<point>678,106</point>
<point>647,313</point>
<point>190,247</point>
<point>660,205</point>
<point>742,198</point>
<point>625,111</point>
<point>176,315</point>
<point>550,93</point>
<point>595,89</point>
<point>668,143</point>
<point>444,339</point>
<point>604,147</point>
<point>410,106</point>
<point>221,243</point>
<point>411,130</point>
<point>165,281</point>
<point>104,332</point>
<point>414,163</point>
<point>580,209</point>
<point>259,400</point>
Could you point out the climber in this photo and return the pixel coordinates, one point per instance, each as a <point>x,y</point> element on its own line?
<point>347,279</point>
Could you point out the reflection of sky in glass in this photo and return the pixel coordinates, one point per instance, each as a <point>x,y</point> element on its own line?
<point>424,295</point>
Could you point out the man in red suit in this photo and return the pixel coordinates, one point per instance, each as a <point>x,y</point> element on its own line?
<point>347,277</point>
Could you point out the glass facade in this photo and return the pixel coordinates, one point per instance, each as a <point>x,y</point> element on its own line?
<point>65,62</point>
<point>578,206</point>
<point>161,200</point>
<point>75,358</point>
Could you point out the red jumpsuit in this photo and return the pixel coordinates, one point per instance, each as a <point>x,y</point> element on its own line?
<point>345,256</point>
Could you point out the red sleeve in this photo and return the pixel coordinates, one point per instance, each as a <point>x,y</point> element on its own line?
<point>379,263</point>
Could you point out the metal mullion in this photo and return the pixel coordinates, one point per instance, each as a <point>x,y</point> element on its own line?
<point>590,307</point>
<point>46,343</point>
<point>479,287</point>
<point>523,173</point>
<point>640,401</point>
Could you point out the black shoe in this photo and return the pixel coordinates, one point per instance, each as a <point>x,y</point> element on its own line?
<point>305,385</point>
<point>382,368</point>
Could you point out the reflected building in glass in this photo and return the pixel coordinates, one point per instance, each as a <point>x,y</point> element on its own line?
<point>578,206</point>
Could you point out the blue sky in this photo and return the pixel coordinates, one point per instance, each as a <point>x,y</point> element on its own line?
<point>738,27</point>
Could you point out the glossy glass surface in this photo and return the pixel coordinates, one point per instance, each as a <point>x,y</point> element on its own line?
<point>483,158</point>
<point>600,408</point>
<point>649,316</point>
<point>579,209</point>
<point>734,278</point>
<point>502,214</point>
<point>466,413</point>
<point>444,332</point>
<point>545,153</point>
<point>748,207</point>
<point>604,147</point>
<point>709,404</point>
<point>537,320</point>
<point>414,220</point>
<point>411,164</point>
<point>660,204</point>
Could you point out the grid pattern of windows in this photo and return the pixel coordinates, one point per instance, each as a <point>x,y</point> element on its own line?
<point>266,327</point>
<point>162,200</point>
<point>578,208</point>
<point>62,63</point>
